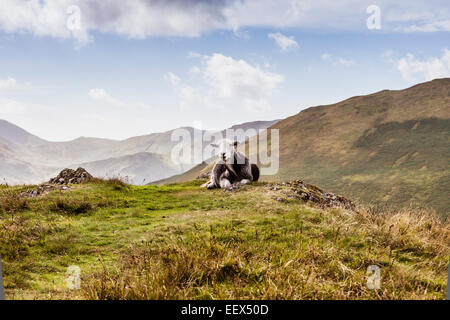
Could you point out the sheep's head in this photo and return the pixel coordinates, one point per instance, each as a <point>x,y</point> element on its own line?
<point>226,149</point>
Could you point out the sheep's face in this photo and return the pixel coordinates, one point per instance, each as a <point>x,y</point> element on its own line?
<point>226,149</point>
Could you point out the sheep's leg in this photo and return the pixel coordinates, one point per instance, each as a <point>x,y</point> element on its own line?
<point>211,185</point>
<point>216,175</point>
<point>225,183</point>
<point>245,181</point>
<point>220,177</point>
<point>208,185</point>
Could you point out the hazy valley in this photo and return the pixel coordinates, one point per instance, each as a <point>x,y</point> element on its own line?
<point>27,158</point>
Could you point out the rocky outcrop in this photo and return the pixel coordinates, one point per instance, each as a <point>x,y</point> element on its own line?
<point>60,182</point>
<point>69,176</point>
<point>205,175</point>
<point>42,190</point>
<point>305,192</point>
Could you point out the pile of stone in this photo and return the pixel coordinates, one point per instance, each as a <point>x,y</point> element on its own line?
<point>204,175</point>
<point>65,177</point>
<point>42,190</point>
<point>69,176</point>
<point>305,192</point>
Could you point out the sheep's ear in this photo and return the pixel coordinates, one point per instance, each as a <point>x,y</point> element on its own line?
<point>235,144</point>
<point>214,145</point>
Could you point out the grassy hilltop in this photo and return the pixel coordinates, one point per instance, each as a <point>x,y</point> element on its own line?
<point>181,241</point>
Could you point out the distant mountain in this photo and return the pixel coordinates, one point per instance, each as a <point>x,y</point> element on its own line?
<point>390,147</point>
<point>139,168</point>
<point>27,158</point>
<point>16,135</point>
<point>64,153</point>
<point>13,168</point>
<point>161,143</point>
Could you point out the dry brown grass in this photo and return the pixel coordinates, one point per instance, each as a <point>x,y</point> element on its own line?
<point>320,255</point>
<point>12,202</point>
<point>420,229</point>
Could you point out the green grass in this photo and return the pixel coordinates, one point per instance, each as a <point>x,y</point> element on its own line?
<point>180,241</point>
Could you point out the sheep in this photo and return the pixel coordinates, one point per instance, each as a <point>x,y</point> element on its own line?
<point>232,167</point>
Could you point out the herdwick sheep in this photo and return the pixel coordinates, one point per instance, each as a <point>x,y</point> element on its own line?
<point>232,167</point>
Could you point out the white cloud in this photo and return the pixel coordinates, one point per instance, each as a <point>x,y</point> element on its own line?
<point>133,19</point>
<point>284,42</point>
<point>326,57</point>
<point>193,55</point>
<point>189,18</point>
<point>242,34</point>
<point>343,15</point>
<point>100,95</point>
<point>172,78</point>
<point>8,83</point>
<point>428,69</point>
<point>237,78</point>
<point>190,98</point>
<point>11,84</point>
<point>40,18</point>
<point>8,107</point>
<point>229,83</point>
<point>195,70</point>
<point>429,27</point>
<point>336,61</point>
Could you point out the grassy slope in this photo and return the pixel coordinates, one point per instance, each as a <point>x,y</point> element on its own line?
<point>186,176</point>
<point>390,147</point>
<point>180,241</point>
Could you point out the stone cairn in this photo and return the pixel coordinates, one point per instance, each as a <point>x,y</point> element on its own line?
<point>60,182</point>
<point>69,176</point>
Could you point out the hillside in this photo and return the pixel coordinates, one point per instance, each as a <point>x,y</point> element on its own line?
<point>189,175</point>
<point>387,148</point>
<point>186,242</point>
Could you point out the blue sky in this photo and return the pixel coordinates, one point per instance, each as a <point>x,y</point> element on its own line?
<point>150,66</point>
